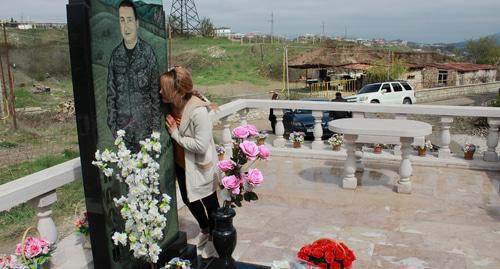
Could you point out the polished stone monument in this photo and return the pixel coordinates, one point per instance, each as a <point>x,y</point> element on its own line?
<point>117,54</point>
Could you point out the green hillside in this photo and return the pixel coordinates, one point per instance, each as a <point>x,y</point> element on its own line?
<point>220,61</point>
<point>39,54</point>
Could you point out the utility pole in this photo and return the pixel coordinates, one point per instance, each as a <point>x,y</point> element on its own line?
<point>3,93</point>
<point>345,33</point>
<point>11,82</point>
<point>169,45</point>
<point>287,85</point>
<point>272,27</point>
<point>323,35</point>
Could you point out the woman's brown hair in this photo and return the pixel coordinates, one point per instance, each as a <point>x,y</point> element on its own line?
<point>177,86</point>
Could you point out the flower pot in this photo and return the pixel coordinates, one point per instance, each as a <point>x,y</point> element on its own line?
<point>422,152</point>
<point>261,141</point>
<point>377,150</point>
<point>336,147</point>
<point>469,155</point>
<point>86,242</point>
<point>221,156</point>
<point>224,236</point>
<point>296,144</point>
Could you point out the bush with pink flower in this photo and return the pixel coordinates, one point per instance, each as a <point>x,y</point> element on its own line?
<point>240,178</point>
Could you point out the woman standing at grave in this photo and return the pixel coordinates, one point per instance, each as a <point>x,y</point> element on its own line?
<point>190,128</point>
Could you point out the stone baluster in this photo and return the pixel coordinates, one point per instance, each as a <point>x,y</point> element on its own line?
<point>349,180</point>
<point>46,225</point>
<point>491,154</point>
<point>243,116</point>
<point>280,141</point>
<point>405,170</point>
<point>397,147</point>
<point>360,167</point>
<point>227,139</point>
<point>318,130</point>
<point>445,139</point>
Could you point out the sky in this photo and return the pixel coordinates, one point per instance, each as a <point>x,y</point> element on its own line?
<point>429,21</point>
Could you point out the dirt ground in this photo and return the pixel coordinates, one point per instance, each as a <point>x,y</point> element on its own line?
<point>242,89</point>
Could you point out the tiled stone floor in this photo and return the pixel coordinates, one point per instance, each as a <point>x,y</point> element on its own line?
<point>451,220</point>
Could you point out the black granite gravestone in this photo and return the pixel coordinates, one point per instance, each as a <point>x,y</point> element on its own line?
<point>97,40</point>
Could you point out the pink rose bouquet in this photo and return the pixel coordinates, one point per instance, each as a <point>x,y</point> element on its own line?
<point>36,250</point>
<point>82,224</point>
<point>239,178</point>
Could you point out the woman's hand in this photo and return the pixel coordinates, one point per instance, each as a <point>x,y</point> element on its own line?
<point>170,123</point>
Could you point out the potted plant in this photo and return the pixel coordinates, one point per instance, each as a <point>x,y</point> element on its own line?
<point>238,185</point>
<point>297,138</point>
<point>82,228</point>
<point>422,149</point>
<point>469,150</point>
<point>221,151</point>
<point>336,141</point>
<point>261,138</point>
<point>327,253</point>
<point>377,148</point>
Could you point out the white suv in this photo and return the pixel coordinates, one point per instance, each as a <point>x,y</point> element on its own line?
<point>392,92</point>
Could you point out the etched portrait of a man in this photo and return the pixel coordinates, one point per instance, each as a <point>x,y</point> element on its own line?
<point>133,100</point>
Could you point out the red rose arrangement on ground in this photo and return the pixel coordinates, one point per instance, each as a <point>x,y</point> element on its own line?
<point>327,253</point>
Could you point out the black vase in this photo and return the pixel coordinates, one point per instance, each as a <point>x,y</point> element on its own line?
<point>224,236</point>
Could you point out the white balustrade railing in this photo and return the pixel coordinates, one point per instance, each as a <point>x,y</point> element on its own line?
<point>445,114</point>
<point>39,188</point>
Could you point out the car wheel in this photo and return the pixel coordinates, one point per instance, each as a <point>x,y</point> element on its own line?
<point>374,102</point>
<point>406,101</point>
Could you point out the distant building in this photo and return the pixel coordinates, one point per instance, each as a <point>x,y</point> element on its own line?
<point>39,25</point>
<point>223,32</point>
<point>449,74</point>
<point>25,26</point>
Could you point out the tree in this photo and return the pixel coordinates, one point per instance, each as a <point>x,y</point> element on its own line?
<point>207,28</point>
<point>483,51</point>
<point>383,71</point>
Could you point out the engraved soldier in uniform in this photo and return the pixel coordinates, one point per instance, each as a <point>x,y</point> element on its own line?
<point>133,99</point>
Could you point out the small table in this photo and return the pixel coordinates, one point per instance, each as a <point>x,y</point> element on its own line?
<point>406,130</point>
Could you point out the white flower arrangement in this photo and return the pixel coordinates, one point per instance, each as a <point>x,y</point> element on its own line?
<point>427,145</point>
<point>336,139</point>
<point>144,208</point>
<point>468,147</point>
<point>296,137</point>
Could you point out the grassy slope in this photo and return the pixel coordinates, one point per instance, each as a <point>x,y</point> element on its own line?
<point>221,61</point>
<point>16,220</point>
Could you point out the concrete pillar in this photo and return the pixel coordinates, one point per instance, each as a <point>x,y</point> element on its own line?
<point>243,116</point>
<point>405,170</point>
<point>280,141</point>
<point>491,154</point>
<point>227,139</point>
<point>445,138</point>
<point>349,180</point>
<point>318,130</point>
<point>360,167</point>
<point>46,225</point>
<point>397,147</point>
